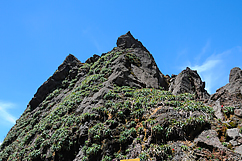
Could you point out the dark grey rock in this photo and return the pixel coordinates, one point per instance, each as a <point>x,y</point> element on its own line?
<point>71,62</point>
<point>208,139</point>
<point>238,112</point>
<point>145,75</point>
<point>188,81</point>
<point>231,93</point>
<point>235,74</point>
<point>92,59</point>
<point>128,41</point>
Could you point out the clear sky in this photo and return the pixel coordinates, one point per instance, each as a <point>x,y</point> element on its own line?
<point>36,36</point>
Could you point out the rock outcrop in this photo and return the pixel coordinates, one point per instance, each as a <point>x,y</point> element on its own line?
<point>188,81</point>
<point>209,139</point>
<point>92,59</point>
<point>69,67</point>
<point>128,41</point>
<point>117,106</point>
<point>235,74</point>
<point>231,93</point>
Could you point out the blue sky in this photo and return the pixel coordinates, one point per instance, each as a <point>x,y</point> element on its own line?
<point>36,36</point>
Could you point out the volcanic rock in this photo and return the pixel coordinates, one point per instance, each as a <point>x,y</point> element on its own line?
<point>188,81</point>
<point>218,110</point>
<point>70,67</point>
<point>128,41</point>
<point>136,67</point>
<point>235,74</point>
<point>231,93</point>
<point>238,149</point>
<point>117,106</point>
<point>92,59</point>
<point>209,139</point>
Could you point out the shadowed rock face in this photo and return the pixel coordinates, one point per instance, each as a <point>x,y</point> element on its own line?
<point>92,59</point>
<point>128,41</point>
<point>68,67</point>
<point>136,67</point>
<point>188,81</point>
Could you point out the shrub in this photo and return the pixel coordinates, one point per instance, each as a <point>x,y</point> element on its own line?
<point>34,154</point>
<point>157,128</point>
<point>93,150</point>
<point>133,59</point>
<point>110,95</point>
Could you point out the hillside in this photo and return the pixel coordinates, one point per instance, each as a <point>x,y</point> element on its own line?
<point>120,106</point>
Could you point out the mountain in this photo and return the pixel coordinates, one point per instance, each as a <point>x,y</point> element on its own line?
<point>120,106</point>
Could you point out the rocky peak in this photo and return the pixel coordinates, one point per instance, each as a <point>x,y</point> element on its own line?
<point>231,93</point>
<point>71,60</point>
<point>135,66</point>
<point>70,67</point>
<point>188,81</point>
<point>235,74</point>
<point>128,41</point>
<point>92,59</point>
<point>117,107</point>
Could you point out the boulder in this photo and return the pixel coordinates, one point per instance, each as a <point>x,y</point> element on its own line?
<point>238,112</point>
<point>218,111</point>
<point>208,139</point>
<point>238,149</point>
<point>233,133</point>
<point>233,142</point>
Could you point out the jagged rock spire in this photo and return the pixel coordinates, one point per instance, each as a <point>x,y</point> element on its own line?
<point>188,81</point>
<point>235,74</point>
<point>231,93</point>
<point>128,41</point>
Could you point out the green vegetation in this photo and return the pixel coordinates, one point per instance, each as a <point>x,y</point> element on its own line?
<point>133,59</point>
<point>127,116</point>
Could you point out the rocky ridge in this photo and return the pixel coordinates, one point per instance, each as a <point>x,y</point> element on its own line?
<point>120,106</point>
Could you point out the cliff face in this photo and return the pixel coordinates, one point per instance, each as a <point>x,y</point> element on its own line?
<point>120,106</point>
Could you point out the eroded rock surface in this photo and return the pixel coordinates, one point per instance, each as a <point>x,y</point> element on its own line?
<point>117,106</point>
<point>231,93</point>
<point>209,139</point>
<point>69,67</point>
<point>128,41</point>
<point>188,81</point>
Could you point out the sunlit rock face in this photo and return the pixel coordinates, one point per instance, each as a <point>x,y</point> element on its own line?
<point>188,81</point>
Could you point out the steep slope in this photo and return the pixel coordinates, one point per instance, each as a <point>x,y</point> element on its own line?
<point>116,106</point>
<point>67,70</point>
